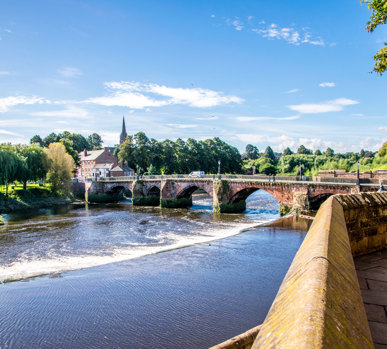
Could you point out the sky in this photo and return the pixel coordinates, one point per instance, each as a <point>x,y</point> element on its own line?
<point>264,72</point>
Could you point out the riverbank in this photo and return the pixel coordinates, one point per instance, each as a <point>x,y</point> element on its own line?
<point>32,198</point>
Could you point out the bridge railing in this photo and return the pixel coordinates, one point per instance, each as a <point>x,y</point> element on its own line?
<point>209,176</point>
<point>337,181</point>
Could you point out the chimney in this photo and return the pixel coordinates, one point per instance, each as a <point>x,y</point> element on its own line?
<point>85,152</point>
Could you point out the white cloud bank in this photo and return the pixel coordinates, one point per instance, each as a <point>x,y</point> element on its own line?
<point>325,107</point>
<point>281,142</point>
<point>139,96</point>
<point>7,102</point>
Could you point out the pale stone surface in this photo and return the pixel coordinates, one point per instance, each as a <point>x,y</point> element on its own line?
<point>375,296</point>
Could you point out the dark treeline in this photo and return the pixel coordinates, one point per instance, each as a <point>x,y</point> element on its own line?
<point>166,157</point>
<point>73,142</point>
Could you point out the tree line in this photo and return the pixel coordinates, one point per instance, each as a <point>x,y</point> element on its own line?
<point>73,142</point>
<point>25,163</point>
<point>166,157</point>
<point>309,162</point>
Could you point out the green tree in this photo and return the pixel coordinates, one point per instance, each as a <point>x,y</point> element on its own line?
<point>318,152</point>
<point>10,163</point>
<point>68,144</point>
<point>51,138</point>
<point>378,16</point>
<point>252,152</point>
<point>94,141</point>
<point>269,153</point>
<point>383,150</point>
<point>329,152</point>
<point>126,153</point>
<point>61,166</point>
<point>34,163</point>
<point>287,151</point>
<point>303,150</point>
<point>36,140</point>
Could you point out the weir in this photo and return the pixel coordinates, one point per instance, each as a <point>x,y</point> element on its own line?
<point>229,193</point>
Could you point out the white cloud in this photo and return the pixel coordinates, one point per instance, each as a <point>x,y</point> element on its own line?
<point>212,16</point>
<point>294,90</point>
<point>371,143</point>
<point>69,112</point>
<point>327,84</point>
<point>139,96</point>
<point>2,73</point>
<point>262,118</point>
<point>7,102</point>
<point>182,125</point>
<point>238,25</point>
<point>110,138</point>
<point>288,34</point>
<point>358,114</point>
<point>325,107</point>
<point>9,133</point>
<point>251,138</point>
<point>127,99</point>
<point>69,72</point>
<point>383,128</point>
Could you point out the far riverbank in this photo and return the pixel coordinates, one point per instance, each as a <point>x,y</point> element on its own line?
<point>32,198</point>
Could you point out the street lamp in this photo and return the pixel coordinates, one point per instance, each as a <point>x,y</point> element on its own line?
<point>357,174</point>
<point>137,172</point>
<point>219,177</point>
<point>300,170</point>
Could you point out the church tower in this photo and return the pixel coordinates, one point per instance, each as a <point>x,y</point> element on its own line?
<point>123,132</point>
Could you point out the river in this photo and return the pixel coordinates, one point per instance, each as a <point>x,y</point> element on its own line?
<point>95,276</point>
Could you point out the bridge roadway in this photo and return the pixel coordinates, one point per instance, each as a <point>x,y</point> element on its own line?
<point>229,193</point>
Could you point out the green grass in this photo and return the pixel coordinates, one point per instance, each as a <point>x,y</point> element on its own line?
<point>35,196</point>
<point>19,186</point>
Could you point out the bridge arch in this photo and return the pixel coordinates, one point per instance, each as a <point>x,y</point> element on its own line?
<point>118,188</point>
<point>187,192</point>
<point>153,191</point>
<point>244,193</point>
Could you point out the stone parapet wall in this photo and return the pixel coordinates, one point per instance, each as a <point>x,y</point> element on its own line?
<point>366,220</point>
<point>319,304</point>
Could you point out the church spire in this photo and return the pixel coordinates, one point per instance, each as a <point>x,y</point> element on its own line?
<point>123,132</point>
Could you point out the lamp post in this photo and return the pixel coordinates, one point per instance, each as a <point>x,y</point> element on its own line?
<point>137,172</point>
<point>219,177</point>
<point>357,174</point>
<point>300,171</point>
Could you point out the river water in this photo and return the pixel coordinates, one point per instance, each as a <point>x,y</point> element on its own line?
<point>95,277</point>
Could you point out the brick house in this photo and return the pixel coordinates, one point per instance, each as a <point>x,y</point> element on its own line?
<point>121,170</point>
<point>90,158</point>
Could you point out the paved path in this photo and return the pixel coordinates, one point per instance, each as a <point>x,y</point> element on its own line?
<point>372,274</point>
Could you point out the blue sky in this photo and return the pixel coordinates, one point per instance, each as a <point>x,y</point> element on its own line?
<point>279,73</point>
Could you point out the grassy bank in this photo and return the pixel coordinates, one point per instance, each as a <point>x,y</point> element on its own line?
<point>33,197</point>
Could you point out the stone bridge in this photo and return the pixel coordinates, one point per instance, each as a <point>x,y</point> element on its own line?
<point>229,195</point>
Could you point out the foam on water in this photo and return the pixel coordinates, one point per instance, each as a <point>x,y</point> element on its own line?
<point>56,263</point>
<point>48,244</point>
